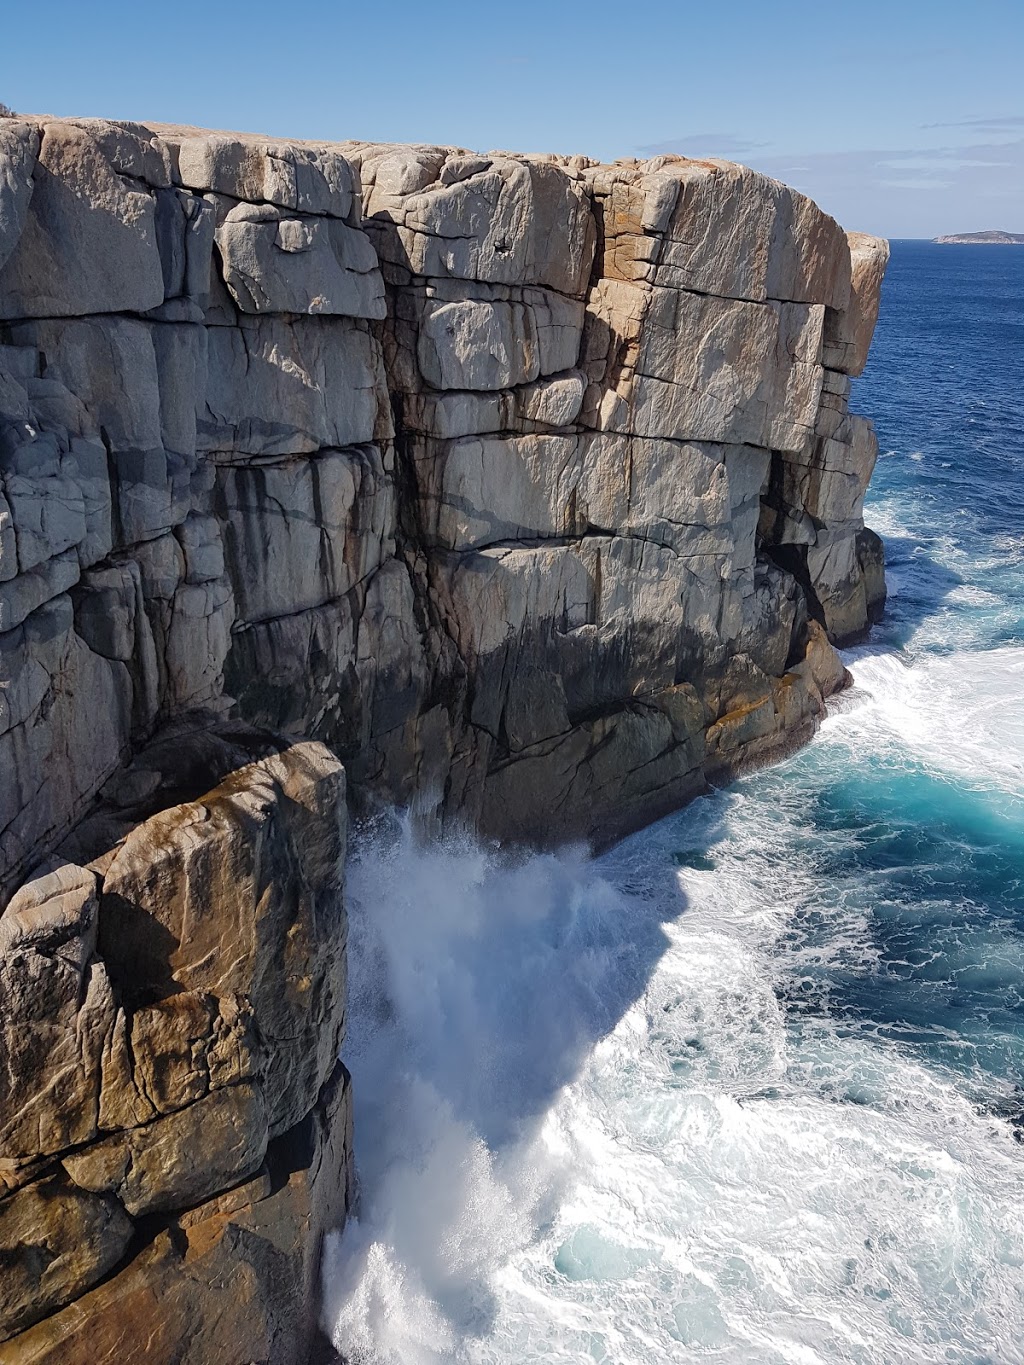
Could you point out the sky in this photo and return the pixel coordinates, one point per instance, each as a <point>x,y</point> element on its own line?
<point>903,118</point>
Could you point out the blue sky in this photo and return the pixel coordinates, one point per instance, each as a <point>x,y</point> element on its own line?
<point>903,118</point>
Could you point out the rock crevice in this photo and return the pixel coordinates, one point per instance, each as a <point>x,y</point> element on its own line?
<point>525,487</point>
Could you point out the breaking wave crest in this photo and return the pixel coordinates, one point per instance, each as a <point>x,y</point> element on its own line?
<point>631,1109</point>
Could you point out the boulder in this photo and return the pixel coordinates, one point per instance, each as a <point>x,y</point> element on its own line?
<point>55,1241</point>
<point>303,178</point>
<point>89,242</point>
<point>711,227</point>
<point>498,219</point>
<point>276,263</point>
<point>238,896</point>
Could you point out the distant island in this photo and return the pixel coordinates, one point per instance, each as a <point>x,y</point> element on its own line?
<point>994,236</point>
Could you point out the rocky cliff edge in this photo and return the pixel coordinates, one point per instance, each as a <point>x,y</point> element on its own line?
<point>525,487</point>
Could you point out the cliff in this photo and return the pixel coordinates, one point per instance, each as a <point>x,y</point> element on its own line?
<point>523,487</point>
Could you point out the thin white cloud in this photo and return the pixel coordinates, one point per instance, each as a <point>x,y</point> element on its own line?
<point>915,184</point>
<point>994,124</point>
<point>704,144</point>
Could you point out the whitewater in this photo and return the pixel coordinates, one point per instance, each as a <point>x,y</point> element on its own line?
<point>747,1088</point>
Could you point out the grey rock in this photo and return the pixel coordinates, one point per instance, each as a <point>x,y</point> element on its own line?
<point>89,242</point>
<point>849,330</point>
<point>54,763</point>
<point>300,532</point>
<point>19,146</point>
<point>538,407</point>
<point>20,596</point>
<point>712,227</point>
<point>500,219</point>
<point>278,264</point>
<point>307,179</point>
<point>271,388</point>
<point>58,1007</point>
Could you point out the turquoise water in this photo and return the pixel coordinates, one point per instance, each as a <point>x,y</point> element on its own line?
<point>749,1088</point>
<point>943,797</point>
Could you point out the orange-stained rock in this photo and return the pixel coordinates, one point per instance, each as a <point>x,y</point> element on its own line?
<point>55,1241</point>
<point>173,999</point>
<point>230,1282</point>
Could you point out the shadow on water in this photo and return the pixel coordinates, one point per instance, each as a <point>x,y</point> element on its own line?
<point>480,984</point>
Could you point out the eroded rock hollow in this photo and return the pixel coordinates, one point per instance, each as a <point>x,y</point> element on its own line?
<point>522,489</point>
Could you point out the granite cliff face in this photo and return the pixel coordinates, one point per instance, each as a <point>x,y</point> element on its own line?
<point>523,487</point>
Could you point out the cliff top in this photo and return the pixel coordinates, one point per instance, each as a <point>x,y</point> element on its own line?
<point>357,149</point>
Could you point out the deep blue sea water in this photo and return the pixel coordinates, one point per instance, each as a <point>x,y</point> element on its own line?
<point>749,1088</point>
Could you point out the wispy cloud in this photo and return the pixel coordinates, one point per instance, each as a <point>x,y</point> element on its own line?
<point>994,124</point>
<point>913,191</point>
<point>929,167</point>
<point>704,144</point>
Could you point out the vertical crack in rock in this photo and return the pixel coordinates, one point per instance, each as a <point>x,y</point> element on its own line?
<point>524,487</point>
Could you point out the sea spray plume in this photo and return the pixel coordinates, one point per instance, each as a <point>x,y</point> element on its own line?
<point>727,1173</point>
<point>479,986</point>
<point>751,1165</point>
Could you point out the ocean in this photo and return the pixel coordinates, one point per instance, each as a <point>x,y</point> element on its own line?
<point>749,1087</point>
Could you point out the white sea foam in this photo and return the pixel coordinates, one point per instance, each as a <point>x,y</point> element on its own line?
<point>589,1131</point>
<point>594,1123</point>
<point>961,713</point>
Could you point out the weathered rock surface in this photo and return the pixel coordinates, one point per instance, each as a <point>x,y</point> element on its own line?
<point>376,443</point>
<point>525,485</point>
<point>230,1280</point>
<point>848,331</point>
<point>55,1241</point>
<point>173,1003</point>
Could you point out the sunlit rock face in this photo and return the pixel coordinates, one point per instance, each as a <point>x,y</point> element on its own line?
<point>524,487</point>
<point>633,489</point>
<point>173,983</point>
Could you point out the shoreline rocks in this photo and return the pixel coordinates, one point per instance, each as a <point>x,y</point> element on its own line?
<point>521,488</point>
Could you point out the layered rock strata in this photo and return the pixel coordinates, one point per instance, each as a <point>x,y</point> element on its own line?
<point>525,487</point>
